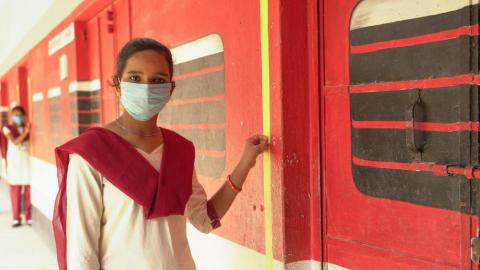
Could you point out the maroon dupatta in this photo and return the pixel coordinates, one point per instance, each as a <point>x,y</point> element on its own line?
<point>3,144</point>
<point>14,130</point>
<point>160,194</point>
<point>4,140</point>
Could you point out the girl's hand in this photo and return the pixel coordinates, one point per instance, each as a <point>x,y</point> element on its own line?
<point>254,146</point>
<point>28,128</point>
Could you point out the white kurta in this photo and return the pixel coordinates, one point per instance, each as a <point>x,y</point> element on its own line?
<point>107,230</point>
<point>18,161</point>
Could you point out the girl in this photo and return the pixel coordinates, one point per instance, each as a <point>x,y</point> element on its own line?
<point>126,190</point>
<point>18,165</point>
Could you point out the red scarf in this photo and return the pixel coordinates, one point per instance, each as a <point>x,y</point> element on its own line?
<point>4,140</point>
<point>160,194</point>
<point>14,130</point>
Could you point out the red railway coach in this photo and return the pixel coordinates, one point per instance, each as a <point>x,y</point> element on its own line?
<point>372,108</point>
<point>221,50</point>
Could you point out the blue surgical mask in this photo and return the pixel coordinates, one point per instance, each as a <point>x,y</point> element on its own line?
<point>143,101</point>
<point>18,119</point>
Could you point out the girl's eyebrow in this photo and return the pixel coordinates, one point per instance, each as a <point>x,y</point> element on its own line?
<point>139,72</point>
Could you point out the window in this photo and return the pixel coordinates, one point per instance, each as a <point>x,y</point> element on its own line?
<point>197,107</point>
<point>412,99</point>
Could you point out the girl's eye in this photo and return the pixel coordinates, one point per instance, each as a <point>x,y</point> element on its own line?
<point>134,78</point>
<point>159,80</point>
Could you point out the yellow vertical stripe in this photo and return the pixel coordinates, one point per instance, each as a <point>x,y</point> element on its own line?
<point>29,98</point>
<point>267,172</point>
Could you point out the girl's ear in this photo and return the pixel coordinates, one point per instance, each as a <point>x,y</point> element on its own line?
<point>116,84</point>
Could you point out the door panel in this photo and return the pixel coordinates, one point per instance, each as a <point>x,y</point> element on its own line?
<point>4,102</point>
<point>399,98</point>
<point>107,31</point>
<point>398,129</point>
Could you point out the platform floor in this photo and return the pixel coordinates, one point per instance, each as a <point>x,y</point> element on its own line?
<point>21,248</point>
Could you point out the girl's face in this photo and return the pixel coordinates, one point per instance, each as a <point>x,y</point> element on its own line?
<point>147,67</point>
<point>18,117</point>
<point>17,113</point>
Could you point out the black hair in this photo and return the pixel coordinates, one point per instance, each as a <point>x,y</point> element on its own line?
<point>18,108</point>
<point>138,45</point>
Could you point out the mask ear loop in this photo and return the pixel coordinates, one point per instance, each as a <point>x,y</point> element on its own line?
<point>118,107</point>
<point>173,87</point>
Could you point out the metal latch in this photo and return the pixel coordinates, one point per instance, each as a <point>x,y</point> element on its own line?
<point>475,249</point>
<point>411,140</point>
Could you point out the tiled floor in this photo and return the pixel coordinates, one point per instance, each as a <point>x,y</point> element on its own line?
<point>20,248</point>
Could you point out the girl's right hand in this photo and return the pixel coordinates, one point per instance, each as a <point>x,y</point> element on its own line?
<point>254,146</point>
<point>28,128</point>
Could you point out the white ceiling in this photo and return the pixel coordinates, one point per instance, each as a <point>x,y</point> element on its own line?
<point>17,17</point>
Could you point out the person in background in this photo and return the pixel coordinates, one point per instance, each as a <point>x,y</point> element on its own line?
<point>18,164</point>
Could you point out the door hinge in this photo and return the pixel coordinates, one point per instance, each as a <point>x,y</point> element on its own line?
<point>110,15</point>
<point>110,18</point>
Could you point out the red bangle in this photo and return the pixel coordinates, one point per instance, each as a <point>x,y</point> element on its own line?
<point>232,185</point>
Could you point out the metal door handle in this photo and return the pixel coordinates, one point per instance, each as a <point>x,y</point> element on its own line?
<point>410,128</point>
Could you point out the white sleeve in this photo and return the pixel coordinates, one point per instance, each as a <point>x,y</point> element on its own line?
<point>6,130</point>
<point>84,213</point>
<point>199,211</point>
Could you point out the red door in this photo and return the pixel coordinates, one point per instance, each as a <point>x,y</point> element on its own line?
<point>24,90</point>
<point>108,32</point>
<point>4,102</point>
<point>400,103</point>
<point>107,61</point>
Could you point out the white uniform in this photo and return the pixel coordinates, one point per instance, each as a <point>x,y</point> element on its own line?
<point>18,161</point>
<point>107,230</point>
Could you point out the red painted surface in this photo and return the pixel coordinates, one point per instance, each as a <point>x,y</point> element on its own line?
<point>300,129</point>
<point>357,255</point>
<point>242,88</point>
<point>417,166</point>
<point>4,93</point>
<point>362,232</point>
<point>438,169</point>
<point>426,126</point>
<point>309,49</point>
<point>422,39</point>
<point>380,226</point>
<point>22,94</point>
<point>108,52</point>
<point>103,26</point>
<point>406,85</point>
<point>93,52</point>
